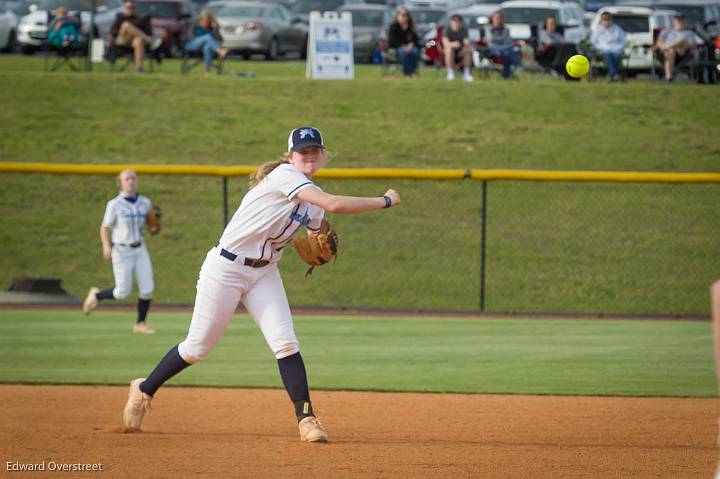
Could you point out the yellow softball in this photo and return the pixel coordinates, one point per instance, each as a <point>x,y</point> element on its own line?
<point>577,66</point>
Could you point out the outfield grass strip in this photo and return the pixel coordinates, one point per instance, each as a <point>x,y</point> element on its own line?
<point>539,357</point>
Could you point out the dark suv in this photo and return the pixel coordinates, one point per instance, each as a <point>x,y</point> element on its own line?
<point>172,20</point>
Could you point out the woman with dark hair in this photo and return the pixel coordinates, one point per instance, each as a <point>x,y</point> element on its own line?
<point>403,37</point>
<point>552,50</point>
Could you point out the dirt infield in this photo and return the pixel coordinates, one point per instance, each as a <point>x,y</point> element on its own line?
<point>251,433</point>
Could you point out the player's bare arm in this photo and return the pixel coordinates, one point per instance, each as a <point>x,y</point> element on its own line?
<point>106,244</point>
<point>347,204</point>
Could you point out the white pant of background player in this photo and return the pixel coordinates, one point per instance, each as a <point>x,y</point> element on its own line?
<point>128,261</point>
<point>221,286</point>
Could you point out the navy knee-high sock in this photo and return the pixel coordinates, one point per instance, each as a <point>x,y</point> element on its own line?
<point>294,377</point>
<point>105,294</point>
<point>143,306</point>
<point>168,367</point>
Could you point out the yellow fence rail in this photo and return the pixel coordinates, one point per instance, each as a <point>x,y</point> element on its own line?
<point>371,173</point>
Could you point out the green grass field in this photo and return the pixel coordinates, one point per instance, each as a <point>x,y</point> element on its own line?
<point>567,357</point>
<point>551,247</point>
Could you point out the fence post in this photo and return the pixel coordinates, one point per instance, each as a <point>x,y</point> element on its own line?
<point>225,202</point>
<point>483,244</point>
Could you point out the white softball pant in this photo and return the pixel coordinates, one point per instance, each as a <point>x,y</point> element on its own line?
<point>221,286</point>
<point>127,261</point>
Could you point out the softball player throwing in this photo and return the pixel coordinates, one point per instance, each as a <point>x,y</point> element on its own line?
<point>243,267</point>
<point>121,233</point>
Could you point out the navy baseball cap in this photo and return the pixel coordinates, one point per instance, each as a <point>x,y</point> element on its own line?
<point>303,137</point>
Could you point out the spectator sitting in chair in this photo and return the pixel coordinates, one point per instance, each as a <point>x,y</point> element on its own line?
<point>609,40</point>
<point>677,42</point>
<point>127,31</point>
<point>553,51</point>
<point>207,39</point>
<point>501,44</point>
<point>456,46</point>
<point>63,31</point>
<point>403,37</point>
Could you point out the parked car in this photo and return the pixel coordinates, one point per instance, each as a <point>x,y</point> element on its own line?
<point>427,18</point>
<point>171,20</point>
<point>475,17</point>
<point>214,5</point>
<point>639,25</point>
<point>259,27</point>
<point>595,5</point>
<point>444,4</point>
<point>702,15</point>
<point>519,15</point>
<point>370,23</point>
<point>302,8</point>
<point>389,3</point>
<point>32,29</point>
<point>8,28</point>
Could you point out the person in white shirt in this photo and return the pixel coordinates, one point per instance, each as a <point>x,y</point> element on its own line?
<point>283,199</point>
<point>122,234</point>
<point>609,40</point>
<point>677,42</point>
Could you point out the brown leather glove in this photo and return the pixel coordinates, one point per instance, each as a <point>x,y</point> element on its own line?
<point>318,248</point>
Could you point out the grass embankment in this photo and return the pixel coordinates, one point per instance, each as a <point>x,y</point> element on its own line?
<point>551,247</point>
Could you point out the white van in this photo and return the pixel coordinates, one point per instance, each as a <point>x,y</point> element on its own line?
<point>519,15</point>
<point>639,23</point>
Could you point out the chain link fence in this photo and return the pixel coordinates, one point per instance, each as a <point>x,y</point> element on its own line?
<point>598,248</point>
<point>543,247</point>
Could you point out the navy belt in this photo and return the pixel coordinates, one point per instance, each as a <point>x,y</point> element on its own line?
<point>254,263</point>
<point>130,245</point>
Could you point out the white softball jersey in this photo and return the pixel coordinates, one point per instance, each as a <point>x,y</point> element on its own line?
<point>268,217</point>
<point>126,219</point>
<point>270,214</point>
<point>129,254</point>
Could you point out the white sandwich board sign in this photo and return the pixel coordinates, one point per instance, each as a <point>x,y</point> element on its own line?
<point>330,46</point>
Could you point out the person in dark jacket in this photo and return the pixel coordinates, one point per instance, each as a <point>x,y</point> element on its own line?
<point>130,30</point>
<point>403,37</point>
<point>553,51</point>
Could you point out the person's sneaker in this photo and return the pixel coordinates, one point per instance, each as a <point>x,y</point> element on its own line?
<point>312,431</point>
<point>155,44</point>
<point>137,404</point>
<point>450,75</point>
<point>139,70</point>
<point>467,76</point>
<point>143,328</point>
<point>91,301</point>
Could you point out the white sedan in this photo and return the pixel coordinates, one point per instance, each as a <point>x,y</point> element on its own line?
<point>32,30</point>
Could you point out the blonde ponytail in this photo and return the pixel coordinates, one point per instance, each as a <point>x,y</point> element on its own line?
<point>265,169</point>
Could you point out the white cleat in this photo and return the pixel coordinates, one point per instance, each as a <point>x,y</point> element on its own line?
<point>138,402</point>
<point>91,301</point>
<point>143,328</point>
<point>450,75</point>
<point>468,77</point>
<point>312,431</point>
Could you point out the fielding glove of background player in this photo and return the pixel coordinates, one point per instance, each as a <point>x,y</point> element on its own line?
<point>153,220</point>
<point>318,248</point>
